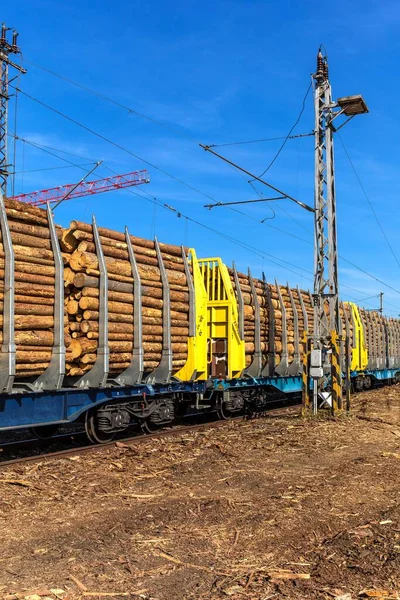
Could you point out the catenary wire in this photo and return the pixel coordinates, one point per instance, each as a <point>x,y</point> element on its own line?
<point>38,147</point>
<point>104,138</point>
<point>15,140</point>
<point>270,257</point>
<point>129,109</point>
<point>369,201</point>
<point>155,121</point>
<point>271,139</point>
<point>250,248</point>
<point>52,148</point>
<point>290,131</point>
<point>341,257</point>
<point>183,183</point>
<point>52,168</point>
<point>280,207</point>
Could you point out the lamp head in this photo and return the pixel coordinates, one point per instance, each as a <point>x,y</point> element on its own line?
<point>353,105</point>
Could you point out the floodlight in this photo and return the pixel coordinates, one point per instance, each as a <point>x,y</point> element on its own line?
<point>353,105</point>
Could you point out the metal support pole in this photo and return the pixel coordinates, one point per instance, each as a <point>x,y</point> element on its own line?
<point>326,290</point>
<point>6,48</point>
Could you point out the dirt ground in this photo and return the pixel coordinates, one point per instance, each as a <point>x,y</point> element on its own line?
<point>272,508</point>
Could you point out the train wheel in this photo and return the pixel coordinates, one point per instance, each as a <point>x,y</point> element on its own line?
<point>367,383</point>
<point>162,416</point>
<point>94,434</point>
<point>148,427</point>
<point>222,412</point>
<point>358,383</point>
<point>44,432</point>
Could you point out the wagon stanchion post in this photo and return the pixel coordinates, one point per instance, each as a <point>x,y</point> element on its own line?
<point>283,367</point>
<point>162,373</point>
<point>255,368</point>
<point>53,376</point>
<point>294,367</point>
<point>8,348</point>
<point>97,376</point>
<point>134,373</point>
<point>269,368</point>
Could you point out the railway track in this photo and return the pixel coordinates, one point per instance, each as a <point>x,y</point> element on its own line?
<point>84,448</point>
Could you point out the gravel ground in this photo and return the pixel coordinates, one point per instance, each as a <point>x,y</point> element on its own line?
<point>278,507</point>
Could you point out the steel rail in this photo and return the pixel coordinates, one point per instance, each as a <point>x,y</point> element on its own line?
<point>137,438</point>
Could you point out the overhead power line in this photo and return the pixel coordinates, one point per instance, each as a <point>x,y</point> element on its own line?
<point>303,105</point>
<point>242,244</point>
<point>272,187</point>
<point>34,143</point>
<point>371,206</point>
<point>271,139</point>
<point>44,149</point>
<point>129,109</point>
<point>82,166</point>
<point>176,130</point>
<point>105,139</point>
<point>258,252</point>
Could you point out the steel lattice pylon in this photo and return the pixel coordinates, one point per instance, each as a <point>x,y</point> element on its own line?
<point>327,340</point>
<point>6,48</point>
<point>326,262</point>
<point>3,123</point>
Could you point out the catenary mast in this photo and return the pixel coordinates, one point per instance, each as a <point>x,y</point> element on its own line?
<point>326,342</point>
<point>7,48</point>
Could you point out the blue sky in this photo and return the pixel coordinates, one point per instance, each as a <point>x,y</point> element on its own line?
<point>217,72</point>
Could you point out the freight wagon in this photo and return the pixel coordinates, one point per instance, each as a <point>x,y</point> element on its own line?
<point>110,329</point>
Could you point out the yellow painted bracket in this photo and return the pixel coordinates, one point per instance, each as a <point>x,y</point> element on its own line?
<point>359,355</point>
<point>336,373</point>
<point>195,368</point>
<point>222,313</point>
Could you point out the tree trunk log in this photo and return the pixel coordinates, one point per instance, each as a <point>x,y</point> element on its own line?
<point>120,237</point>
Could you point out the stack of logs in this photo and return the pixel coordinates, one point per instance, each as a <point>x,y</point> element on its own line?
<point>34,288</point>
<point>249,314</point>
<point>373,341</point>
<point>35,291</point>
<point>82,299</point>
<point>249,317</point>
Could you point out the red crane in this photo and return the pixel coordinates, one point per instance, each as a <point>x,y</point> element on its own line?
<point>84,188</point>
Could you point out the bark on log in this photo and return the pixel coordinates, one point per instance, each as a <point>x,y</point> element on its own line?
<point>120,237</point>
<point>35,338</point>
<point>92,315</point>
<point>28,279</point>
<point>119,296</point>
<point>89,303</point>
<point>29,241</point>
<point>169,261</point>
<point>87,326</point>
<point>18,215</point>
<point>86,261</point>
<point>27,229</point>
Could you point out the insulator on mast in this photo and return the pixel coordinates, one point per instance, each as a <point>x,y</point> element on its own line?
<point>3,32</point>
<point>326,70</point>
<point>320,75</point>
<point>14,41</point>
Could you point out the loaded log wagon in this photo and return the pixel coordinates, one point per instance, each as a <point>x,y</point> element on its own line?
<point>106,328</point>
